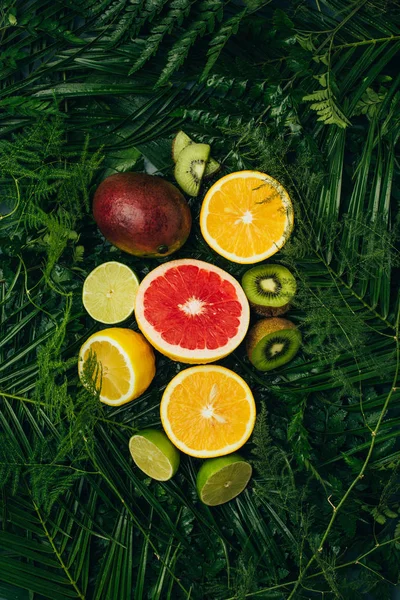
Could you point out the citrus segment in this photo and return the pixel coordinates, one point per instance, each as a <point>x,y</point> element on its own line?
<point>192,311</point>
<point>109,292</point>
<point>126,364</point>
<point>208,411</point>
<point>222,479</point>
<point>154,454</point>
<point>246,216</point>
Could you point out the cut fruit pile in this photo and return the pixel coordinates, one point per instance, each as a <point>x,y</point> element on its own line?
<point>192,311</point>
<point>126,364</point>
<point>109,292</point>
<point>246,216</point>
<point>208,411</point>
<point>192,163</point>
<point>195,312</point>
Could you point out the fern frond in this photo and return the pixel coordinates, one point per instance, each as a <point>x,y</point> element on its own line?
<point>228,28</point>
<point>178,10</point>
<point>209,12</point>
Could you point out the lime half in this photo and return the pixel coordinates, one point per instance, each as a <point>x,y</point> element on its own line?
<point>154,454</point>
<point>109,292</point>
<point>221,479</point>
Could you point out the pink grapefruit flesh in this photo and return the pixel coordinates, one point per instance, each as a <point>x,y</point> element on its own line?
<point>192,311</point>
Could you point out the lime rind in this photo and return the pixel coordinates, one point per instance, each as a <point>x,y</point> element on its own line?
<point>221,479</point>
<point>154,454</point>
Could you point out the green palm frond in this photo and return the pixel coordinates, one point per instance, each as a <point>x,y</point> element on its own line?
<point>81,81</point>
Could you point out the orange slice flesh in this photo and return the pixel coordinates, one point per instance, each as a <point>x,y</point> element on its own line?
<point>208,411</point>
<point>246,216</point>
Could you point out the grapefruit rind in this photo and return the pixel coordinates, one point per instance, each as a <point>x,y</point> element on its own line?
<point>177,380</point>
<point>176,352</point>
<point>277,245</point>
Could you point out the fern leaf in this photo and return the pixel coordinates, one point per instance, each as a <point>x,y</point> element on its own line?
<point>147,12</point>
<point>178,10</point>
<point>229,28</point>
<point>209,12</point>
<point>317,95</point>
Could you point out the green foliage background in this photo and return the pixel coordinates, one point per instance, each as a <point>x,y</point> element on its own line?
<point>306,91</point>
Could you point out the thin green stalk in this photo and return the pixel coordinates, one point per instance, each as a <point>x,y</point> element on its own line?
<point>374,434</point>
<point>366,42</point>
<point>134,518</point>
<point>57,553</point>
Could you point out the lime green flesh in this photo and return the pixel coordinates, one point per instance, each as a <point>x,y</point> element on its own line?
<point>154,454</point>
<point>222,479</point>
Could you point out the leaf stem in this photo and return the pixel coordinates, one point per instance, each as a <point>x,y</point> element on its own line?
<point>365,42</point>
<point>56,552</point>
<point>374,434</point>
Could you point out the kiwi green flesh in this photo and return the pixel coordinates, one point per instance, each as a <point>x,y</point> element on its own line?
<point>180,141</point>
<point>269,286</point>
<point>190,166</point>
<point>275,349</point>
<point>212,167</point>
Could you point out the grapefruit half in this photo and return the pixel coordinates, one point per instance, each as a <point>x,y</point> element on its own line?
<point>192,311</point>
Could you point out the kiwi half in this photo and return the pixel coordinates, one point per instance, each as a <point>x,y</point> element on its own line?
<point>180,141</point>
<point>272,343</point>
<point>190,166</point>
<point>269,289</point>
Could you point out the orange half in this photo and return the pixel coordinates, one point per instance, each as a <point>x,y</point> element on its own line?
<point>208,411</point>
<point>246,216</point>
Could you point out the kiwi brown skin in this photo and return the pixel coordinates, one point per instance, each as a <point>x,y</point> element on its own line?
<point>260,335</point>
<point>269,311</point>
<point>264,327</point>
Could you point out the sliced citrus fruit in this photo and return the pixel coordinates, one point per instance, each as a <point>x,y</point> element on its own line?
<point>221,479</point>
<point>154,454</point>
<point>246,216</point>
<point>208,411</point>
<point>109,292</point>
<point>126,364</point>
<point>192,311</point>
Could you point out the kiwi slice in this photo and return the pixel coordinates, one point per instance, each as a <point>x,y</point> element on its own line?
<point>190,166</point>
<point>269,289</point>
<point>272,343</point>
<point>180,141</point>
<point>212,167</point>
